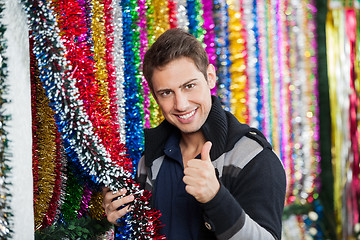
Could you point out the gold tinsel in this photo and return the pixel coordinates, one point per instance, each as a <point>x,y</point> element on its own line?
<point>99,39</point>
<point>238,85</point>
<point>46,151</point>
<point>158,22</point>
<point>95,208</point>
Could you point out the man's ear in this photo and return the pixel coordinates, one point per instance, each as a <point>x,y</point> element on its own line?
<point>211,76</point>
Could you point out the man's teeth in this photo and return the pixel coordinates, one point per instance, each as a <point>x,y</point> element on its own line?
<point>186,116</point>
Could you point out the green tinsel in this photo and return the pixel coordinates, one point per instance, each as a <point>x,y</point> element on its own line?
<point>83,228</point>
<point>5,210</point>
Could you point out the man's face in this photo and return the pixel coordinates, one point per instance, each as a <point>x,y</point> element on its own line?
<point>183,93</point>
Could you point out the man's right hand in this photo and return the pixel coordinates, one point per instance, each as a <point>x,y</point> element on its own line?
<point>112,203</point>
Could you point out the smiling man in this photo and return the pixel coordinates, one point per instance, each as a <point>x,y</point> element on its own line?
<point>211,176</point>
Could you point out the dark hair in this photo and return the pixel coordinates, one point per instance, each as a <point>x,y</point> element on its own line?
<point>173,44</point>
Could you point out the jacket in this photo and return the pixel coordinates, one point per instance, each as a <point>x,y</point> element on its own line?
<point>250,201</point>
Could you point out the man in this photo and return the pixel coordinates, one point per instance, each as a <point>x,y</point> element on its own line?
<point>211,177</point>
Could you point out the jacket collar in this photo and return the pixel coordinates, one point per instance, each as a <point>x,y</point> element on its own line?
<point>215,129</point>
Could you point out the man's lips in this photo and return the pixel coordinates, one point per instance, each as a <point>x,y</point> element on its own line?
<point>188,115</point>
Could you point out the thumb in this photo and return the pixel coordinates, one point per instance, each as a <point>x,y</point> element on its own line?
<point>205,151</point>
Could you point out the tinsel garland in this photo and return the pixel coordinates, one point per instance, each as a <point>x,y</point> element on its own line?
<point>134,134</point>
<point>119,67</point>
<point>133,96</point>
<point>172,14</point>
<point>255,59</point>
<point>272,70</point>
<point>282,78</point>
<point>339,36</point>
<point>276,77</point>
<point>75,187</point>
<point>155,113</point>
<point>312,182</point>
<point>82,144</point>
<point>246,20</point>
<point>308,161</point>
<point>110,24</point>
<point>209,36</point>
<point>196,21</point>
<point>142,24</point>
<point>59,184</point>
<point>221,19</point>
<point>290,163</point>
<point>99,51</point>
<point>353,189</point>
<point>273,54</point>
<point>91,69</point>
<point>45,153</point>
<point>85,200</point>
<point>35,156</point>
<point>302,160</point>
<point>238,87</point>
<point>157,23</point>
<point>181,15</point>
<point>263,80</point>
<point>356,87</point>
<point>5,195</point>
<point>48,179</point>
<point>98,82</point>
<point>286,87</point>
<point>78,51</point>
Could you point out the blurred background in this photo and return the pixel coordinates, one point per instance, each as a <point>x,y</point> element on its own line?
<point>73,100</point>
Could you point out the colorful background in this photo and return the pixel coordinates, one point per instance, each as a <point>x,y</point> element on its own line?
<point>74,103</point>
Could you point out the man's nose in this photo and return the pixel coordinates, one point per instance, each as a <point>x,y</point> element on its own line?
<point>181,102</point>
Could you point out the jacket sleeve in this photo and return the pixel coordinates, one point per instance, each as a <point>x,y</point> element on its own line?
<point>250,201</point>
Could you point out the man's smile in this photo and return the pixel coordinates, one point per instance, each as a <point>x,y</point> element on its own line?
<point>188,115</point>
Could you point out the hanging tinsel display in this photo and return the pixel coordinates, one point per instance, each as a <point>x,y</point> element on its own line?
<point>46,156</point>
<point>88,58</point>
<point>5,195</point>
<point>81,138</point>
<point>342,39</point>
<point>209,34</point>
<point>142,24</point>
<point>221,20</point>
<point>251,35</point>
<point>132,90</point>
<point>239,84</point>
<point>157,23</point>
<point>118,55</point>
<point>181,15</point>
<point>282,91</point>
<point>196,21</point>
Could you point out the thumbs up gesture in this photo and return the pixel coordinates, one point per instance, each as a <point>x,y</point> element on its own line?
<point>200,178</point>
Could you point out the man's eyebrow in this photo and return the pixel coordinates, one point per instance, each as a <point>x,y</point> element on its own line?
<point>163,90</point>
<point>190,81</point>
<point>182,85</point>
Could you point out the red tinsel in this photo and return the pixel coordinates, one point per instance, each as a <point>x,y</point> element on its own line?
<point>72,18</point>
<point>54,203</point>
<point>172,14</point>
<point>35,157</point>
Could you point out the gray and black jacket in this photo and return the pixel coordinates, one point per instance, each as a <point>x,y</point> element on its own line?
<point>250,201</point>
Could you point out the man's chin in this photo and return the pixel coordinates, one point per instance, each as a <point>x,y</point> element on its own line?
<point>189,130</point>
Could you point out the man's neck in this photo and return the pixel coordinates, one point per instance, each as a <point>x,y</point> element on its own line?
<point>191,145</point>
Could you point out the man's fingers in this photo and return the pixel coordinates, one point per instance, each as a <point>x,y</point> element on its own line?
<point>205,151</point>
<point>118,208</point>
<point>113,216</point>
<point>109,196</point>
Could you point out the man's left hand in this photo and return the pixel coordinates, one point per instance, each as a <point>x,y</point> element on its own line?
<point>200,178</point>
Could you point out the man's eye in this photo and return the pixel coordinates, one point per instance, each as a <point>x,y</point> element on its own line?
<point>165,93</point>
<point>189,86</point>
